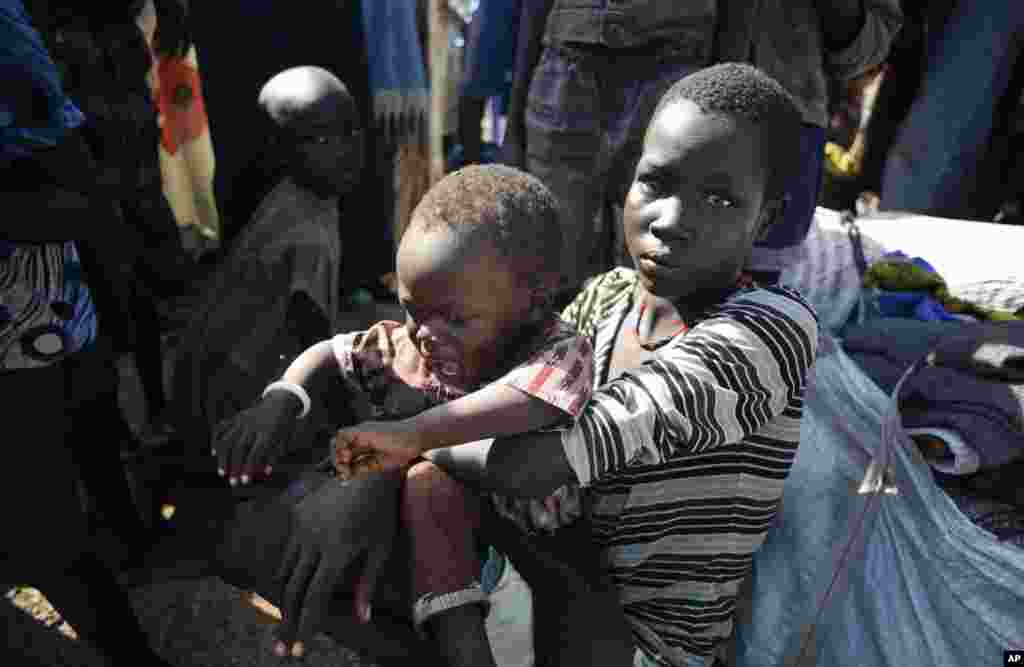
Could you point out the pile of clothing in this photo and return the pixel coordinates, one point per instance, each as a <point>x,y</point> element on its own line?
<point>964,408</point>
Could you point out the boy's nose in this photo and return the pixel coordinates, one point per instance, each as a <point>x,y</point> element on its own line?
<point>428,335</point>
<point>667,217</point>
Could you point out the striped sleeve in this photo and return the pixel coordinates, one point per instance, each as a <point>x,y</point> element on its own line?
<point>723,380</point>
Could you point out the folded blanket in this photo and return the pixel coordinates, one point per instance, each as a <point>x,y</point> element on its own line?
<point>903,286</point>
<point>975,385</point>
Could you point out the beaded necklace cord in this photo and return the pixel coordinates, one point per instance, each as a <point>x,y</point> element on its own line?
<point>743,281</point>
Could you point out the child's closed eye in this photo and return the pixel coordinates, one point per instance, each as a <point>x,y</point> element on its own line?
<point>650,185</point>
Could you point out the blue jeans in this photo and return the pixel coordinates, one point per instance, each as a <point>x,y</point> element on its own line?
<point>934,164</point>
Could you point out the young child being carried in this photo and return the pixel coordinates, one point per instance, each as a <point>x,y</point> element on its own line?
<point>481,354</point>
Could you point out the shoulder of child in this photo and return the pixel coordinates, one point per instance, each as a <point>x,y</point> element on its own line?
<point>780,299</point>
<point>772,313</point>
<point>598,295</point>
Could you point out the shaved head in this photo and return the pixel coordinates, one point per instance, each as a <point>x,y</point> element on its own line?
<point>316,131</point>
<point>304,99</point>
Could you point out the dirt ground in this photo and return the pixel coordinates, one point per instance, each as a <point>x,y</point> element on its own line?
<point>204,622</point>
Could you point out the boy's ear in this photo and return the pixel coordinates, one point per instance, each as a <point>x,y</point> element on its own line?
<point>772,211</point>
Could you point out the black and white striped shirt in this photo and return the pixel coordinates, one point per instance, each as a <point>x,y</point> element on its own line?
<point>684,457</point>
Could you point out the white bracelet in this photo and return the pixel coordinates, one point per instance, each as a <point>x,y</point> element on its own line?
<point>430,604</point>
<point>295,390</point>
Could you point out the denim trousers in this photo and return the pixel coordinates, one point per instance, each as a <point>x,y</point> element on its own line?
<point>586,114</point>
<point>936,164</point>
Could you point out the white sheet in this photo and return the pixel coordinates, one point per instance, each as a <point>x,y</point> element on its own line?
<point>961,251</point>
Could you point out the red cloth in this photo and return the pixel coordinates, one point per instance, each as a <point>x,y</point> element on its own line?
<point>180,101</point>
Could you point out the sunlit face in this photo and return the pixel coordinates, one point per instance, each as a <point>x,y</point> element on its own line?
<point>697,202</point>
<point>463,304</point>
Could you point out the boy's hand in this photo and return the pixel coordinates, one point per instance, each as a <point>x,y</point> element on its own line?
<point>374,447</point>
<point>248,444</point>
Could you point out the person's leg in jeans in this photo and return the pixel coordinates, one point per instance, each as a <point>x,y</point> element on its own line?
<point>780,247</point>
<point>564,149</point>
<point>933,166</point>
<point>93,410</point>
<point>628,103</point>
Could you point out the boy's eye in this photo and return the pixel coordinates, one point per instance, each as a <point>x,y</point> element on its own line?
<point>649,185</point>
<point>457,320</point>
<point>718,201</point>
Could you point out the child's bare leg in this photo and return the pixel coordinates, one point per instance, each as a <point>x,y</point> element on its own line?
<point>442,519</point>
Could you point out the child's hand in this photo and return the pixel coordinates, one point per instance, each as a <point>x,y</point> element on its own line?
<point>248,444</point>
<point>374,447</point>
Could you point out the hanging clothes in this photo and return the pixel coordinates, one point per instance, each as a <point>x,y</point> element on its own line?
<point>186,149</point>
<point>398,75</point>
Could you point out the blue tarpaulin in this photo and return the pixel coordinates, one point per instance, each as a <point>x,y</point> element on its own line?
<point>919,583</point>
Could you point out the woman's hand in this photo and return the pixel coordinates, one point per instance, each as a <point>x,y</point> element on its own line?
<point>248,444</point>
<point>375,447</point>
<point>331,528</point>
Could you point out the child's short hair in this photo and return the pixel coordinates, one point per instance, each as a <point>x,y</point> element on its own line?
<point>509,207</point>
<point>740,90</point>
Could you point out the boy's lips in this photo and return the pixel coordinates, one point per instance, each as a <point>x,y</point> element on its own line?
<point>659,261</point>
<point>441,361</point>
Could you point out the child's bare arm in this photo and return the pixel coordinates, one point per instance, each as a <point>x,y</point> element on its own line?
<point>313,369</point>
<point>496,410</point>
<point>247,445</point>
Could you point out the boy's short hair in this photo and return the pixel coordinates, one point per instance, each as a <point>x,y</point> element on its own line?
<point>740,90</point>
<point>509,207</point>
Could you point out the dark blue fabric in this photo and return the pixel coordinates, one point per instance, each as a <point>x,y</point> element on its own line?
<point>803,193</point>
<point>43,287</point>
<point>34,112</point>
<point>394,53</point>
<point>971,390</point>
<point>915,304</point>
<point>938,162</point>
<point>491,49</point>
<point>919,584</point>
